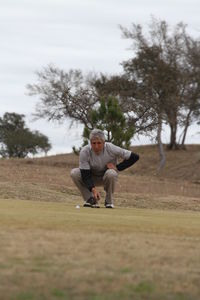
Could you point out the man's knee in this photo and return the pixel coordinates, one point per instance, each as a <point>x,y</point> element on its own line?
<point>75,173</point>
<point>111,174</point>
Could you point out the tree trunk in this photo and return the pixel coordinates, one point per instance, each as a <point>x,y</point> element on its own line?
<point>187,123</point>
<point>160,145</point>
<point>173,144</point>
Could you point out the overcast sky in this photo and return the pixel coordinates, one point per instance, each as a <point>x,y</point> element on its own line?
<point>78,34</point>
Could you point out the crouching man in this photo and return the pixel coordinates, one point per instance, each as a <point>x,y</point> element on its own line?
<point>98,166</point>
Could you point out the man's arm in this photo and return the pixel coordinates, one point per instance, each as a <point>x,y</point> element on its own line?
<point>87,179</point>
<point>126,163</point>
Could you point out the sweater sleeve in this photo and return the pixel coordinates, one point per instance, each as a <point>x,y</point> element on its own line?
<point>126,163</point>
<point>87,178</point>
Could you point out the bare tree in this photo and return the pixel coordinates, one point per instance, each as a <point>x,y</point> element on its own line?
<point>73,95</point>
<point>63,94</point>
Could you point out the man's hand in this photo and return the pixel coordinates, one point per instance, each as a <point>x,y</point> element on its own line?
<point>111,166</point>
<point>96,194</point>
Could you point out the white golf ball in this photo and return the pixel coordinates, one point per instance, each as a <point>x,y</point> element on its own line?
<point>77,206</point>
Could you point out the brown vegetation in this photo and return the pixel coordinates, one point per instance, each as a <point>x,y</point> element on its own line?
<point>48,179</point>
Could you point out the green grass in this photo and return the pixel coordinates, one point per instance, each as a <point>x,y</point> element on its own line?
<point>53,251</point>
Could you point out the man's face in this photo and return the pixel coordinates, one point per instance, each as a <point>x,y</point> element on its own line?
<point>97,145</point>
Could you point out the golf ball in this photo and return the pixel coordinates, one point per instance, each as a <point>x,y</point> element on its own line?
<point>77,206</point>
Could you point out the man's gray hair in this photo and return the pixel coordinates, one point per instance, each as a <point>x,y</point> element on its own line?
<point>97,134</point>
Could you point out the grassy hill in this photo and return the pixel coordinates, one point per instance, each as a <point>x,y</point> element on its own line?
<point>180,164</point>
<point>48,179</point>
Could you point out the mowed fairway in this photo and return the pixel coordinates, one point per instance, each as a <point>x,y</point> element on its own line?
<point>52,250</point>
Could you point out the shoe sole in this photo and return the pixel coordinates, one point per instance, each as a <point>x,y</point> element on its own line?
<point>87,205</point>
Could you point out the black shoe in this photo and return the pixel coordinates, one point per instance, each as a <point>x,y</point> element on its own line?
<point>96,205</point>
<point>91,202</point>
<point>109,205</point>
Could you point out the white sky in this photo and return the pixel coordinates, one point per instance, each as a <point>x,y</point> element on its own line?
<point>78,34</point>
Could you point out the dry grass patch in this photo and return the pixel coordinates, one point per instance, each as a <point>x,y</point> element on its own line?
<point>50,181</point>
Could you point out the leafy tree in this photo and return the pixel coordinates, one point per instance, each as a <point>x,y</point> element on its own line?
<point>180,53</point>
<point>126,90</point>
<point>161,70</point>
<point>191,101</point>
<point>176,48</point>
<point>157,85</point>
<point>110,118</point>
<point>17,140</point>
